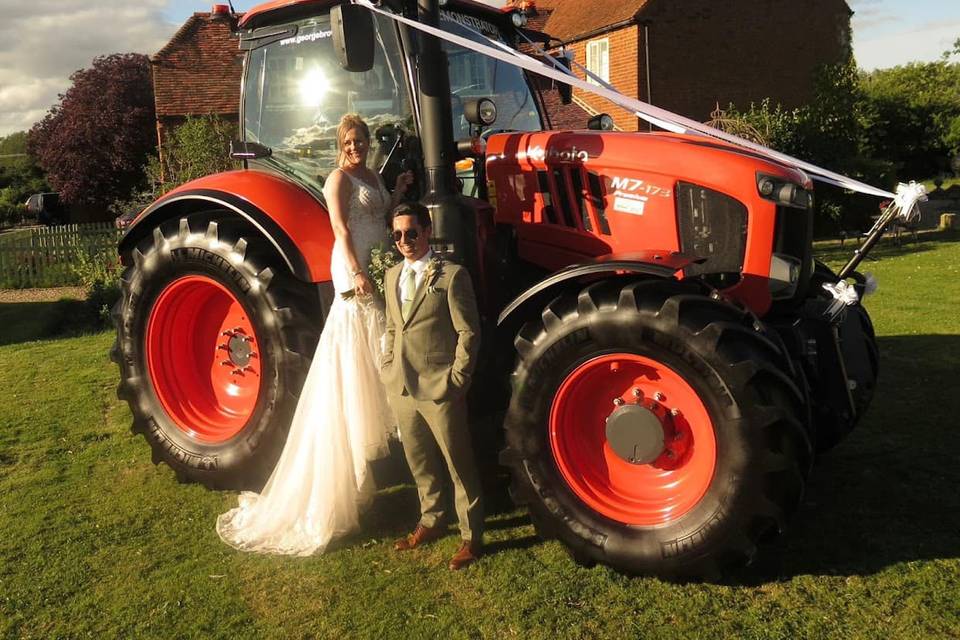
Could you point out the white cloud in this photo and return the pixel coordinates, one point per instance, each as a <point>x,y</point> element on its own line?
<point>42,42</point>
<point>925,43</point>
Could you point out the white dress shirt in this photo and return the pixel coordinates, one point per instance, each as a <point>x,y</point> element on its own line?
<point>419,267</point>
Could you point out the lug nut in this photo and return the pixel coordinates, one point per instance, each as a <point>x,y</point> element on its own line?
<point>674,412</point>
<point>659,397</point>
<point>637,393</point>
<point>618,401</point>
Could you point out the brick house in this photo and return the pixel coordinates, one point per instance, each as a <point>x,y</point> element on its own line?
<point>689,56</point>
<point>197,72</point>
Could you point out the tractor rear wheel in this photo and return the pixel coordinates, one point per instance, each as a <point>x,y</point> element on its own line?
<point>861,361</point>
<point>655,429</point>
<point>214,338</point>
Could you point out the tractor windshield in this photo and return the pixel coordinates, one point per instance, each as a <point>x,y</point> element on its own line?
<point>295,94</point>
<point>473,75</point>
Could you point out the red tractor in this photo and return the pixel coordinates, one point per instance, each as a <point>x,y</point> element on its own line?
<point>656,342</point>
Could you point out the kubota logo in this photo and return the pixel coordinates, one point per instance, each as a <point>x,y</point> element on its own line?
<point>567,155</point>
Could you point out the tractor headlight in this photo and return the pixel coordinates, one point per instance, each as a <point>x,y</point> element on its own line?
<point>519,20</point>
<point>784,276</point>
<point>783,193</point>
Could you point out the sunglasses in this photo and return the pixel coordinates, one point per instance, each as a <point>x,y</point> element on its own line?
<point>411,235</point>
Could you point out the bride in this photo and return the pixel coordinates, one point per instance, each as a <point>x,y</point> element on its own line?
<point>321,481</point>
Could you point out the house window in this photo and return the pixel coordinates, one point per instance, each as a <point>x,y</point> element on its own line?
<point>598,60</point>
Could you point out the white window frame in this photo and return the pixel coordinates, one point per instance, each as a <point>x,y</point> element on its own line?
<point>598,60</point>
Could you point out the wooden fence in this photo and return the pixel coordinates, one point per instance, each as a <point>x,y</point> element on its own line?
<point>48,256</point>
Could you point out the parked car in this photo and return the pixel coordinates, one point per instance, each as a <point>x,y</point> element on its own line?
<point>123,220</point>
<point>46,208</point>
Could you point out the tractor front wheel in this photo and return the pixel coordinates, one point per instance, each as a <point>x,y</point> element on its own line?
<point>214,338</point>
<point>861,364</point>
<point>655,429</point>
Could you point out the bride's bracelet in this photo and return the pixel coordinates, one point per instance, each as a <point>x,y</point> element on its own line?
<point>356,273</point>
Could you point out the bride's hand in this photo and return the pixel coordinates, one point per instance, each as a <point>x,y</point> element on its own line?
<point>362,284</point>
<point>404,180</point>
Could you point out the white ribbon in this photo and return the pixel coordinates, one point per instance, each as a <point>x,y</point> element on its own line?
<point>655,115</point>
<point>907,199</point>
<point>844,295</point>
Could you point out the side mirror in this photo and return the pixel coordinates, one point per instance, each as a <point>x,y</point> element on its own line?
<point>565,90</point>
<point>240,150</point>
<point>353,36</point>
<point>600,122</point>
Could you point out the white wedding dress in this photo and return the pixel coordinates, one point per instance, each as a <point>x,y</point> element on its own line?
<point>321,482</point>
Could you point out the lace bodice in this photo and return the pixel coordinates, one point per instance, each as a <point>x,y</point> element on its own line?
<point>366,217</point>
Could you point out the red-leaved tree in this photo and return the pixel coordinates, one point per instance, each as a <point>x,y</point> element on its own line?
<point>95,142</point>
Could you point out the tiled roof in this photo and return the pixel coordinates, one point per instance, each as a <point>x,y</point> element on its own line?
<point>198,71</point>
<point>569,19</point>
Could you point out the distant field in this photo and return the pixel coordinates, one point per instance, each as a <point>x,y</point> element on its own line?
<point>96,541</point>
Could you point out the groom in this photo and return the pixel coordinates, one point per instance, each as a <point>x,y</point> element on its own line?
<point>432,338</point>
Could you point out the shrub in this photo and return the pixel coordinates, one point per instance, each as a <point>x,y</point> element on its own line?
<point>99,271</point>
<point>198,147</point>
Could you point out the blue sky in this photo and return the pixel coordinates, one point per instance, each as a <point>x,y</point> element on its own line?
<point>891,32</point>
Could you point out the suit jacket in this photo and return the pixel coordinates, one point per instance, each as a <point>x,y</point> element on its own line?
<point>434,352</point>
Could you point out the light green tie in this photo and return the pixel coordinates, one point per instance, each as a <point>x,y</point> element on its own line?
<point>408,289</point>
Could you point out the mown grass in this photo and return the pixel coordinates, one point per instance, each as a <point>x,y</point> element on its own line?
<point>97,541</point>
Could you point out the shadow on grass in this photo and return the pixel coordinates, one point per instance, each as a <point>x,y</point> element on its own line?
<point>26,321</point>
<point>889,493</point>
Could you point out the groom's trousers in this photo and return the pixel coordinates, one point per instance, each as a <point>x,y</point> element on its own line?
<point>436,437</point>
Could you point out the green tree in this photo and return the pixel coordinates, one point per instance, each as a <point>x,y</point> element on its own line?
<point>912,112</point>
<point>198,147</point>
<point>19,177</point>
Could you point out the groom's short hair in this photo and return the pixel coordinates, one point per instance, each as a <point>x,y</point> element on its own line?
<point>412,209</point>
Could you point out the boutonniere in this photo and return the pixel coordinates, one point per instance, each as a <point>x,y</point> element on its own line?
<point>433,272</point>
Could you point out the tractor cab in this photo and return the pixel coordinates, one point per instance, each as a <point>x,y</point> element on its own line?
<point>295,91</point>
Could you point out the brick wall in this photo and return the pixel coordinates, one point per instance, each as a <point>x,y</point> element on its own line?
<point>624,74</point>
<point>704,52</point>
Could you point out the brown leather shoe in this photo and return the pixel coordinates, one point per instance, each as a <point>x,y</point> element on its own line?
<point>466,555</point>
<point>421,535</point>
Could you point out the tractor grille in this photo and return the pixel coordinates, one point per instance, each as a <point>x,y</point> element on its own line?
<point>569,193</point>
<point>712,226</point>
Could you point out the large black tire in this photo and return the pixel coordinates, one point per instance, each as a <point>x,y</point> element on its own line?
<point>281,315</point>
<point>739,375</point>
<point>861,362</point>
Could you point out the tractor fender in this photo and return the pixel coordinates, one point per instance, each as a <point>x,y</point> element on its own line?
<point>659,264</point>
<point>285,214</point>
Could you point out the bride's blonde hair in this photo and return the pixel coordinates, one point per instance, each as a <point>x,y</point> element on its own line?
<point>347,123</point>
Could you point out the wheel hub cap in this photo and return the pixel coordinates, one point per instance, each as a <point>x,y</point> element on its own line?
<point>635,434</point>
<point>239,349</point>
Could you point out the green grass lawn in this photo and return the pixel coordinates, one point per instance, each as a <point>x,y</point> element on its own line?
<point>947,183</point>
<point>96,541</point>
